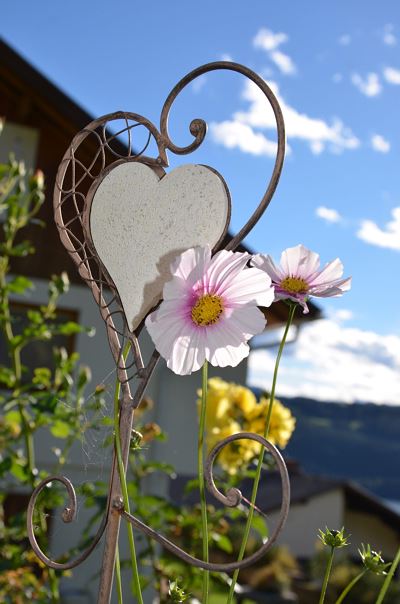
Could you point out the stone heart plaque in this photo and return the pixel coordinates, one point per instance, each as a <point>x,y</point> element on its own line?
<point>138,224</point>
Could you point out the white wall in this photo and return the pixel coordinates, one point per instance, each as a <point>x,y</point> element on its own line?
<point>301,529</point>
<point>366,528</point>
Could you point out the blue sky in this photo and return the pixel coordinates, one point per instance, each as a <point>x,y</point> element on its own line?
<point>336,70</point>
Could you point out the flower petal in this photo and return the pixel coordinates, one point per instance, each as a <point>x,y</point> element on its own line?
<point>224,266</point>
<point>331,272</point>
<point>247,320</point>
<point>267,264</point>
<point>188,354</point>
<point>224,347</point>
<point>332,289</point>
<point>175,289</point>
<point>250,285</point>
<point>177,341</point>
<point>299,261</point>
<point>192,264</point>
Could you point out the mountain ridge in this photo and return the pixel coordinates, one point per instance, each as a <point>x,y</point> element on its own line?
<point>356,441</point>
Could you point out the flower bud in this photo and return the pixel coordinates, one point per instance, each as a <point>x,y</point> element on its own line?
<point>176,593</point>
<point>372,560</point>
<point>136,438</point>
<point>333,538</point>
<point>150,431</point>
<point>37,180</point>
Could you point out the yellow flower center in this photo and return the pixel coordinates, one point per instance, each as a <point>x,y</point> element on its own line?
<point>207,310</point>
<point>294,285</point>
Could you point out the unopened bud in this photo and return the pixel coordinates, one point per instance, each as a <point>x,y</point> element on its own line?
<point>372,560</point>
<point>333,538</point>
<point>37,180</point>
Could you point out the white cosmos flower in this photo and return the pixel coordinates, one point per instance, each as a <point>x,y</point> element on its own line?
<point>209,310</point>
<point>299,276</point>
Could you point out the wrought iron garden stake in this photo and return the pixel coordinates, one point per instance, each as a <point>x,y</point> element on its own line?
<point>85,190</point>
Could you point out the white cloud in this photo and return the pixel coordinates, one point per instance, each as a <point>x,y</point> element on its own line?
<point>332,362</point>
<point>198,84</point>
<point>337,77</point>
<point>316,132</point>
<point>388,237</point>
<point>226,57</point>
<point>283,62</point>
<point>317,147</point>
<point>392,75</point>
<point>269,41</point>
<point>388,36</point>
<point>233,134</point>
<point>328,214</point>
<point>343,314</point>
<point>380,144</point>
<point>370,86</point>
<point>344,40</point>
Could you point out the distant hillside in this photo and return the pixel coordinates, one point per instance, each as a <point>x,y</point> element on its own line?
<point>359,442</point>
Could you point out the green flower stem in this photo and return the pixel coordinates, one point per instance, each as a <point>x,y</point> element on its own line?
<point>118,577</point>
<point>350,586</point>
<point>53,581</point>
<point>261,456</point>
<point>200,457</point>
<point>389,578</point>
<point>327,575</point>
<point>124,487</point>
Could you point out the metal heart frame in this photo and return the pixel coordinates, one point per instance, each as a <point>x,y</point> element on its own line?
<point>77,173</point>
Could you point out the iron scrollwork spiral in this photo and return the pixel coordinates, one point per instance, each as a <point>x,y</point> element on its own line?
<point>231,499</point>
<point>68,515</point>
<point>93,152</point>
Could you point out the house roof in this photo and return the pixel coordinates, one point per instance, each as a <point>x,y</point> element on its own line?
<point>28,98</point>
<point>303,487</point>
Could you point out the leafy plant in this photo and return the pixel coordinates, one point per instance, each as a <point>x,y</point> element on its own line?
<point>32,399</point>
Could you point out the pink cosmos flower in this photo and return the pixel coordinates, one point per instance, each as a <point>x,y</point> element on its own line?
<point>299,276</point>
<point>209,310</point>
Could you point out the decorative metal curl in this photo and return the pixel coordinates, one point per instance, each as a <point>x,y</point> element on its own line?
<point>231,499</point>
<point>76,174</point>
<point>198,129</point>
<point>68,515</point>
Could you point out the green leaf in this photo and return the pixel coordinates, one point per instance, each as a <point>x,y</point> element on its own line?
<point>158,466</point>
<point>222,542</point>
<point>42,377</point>
<point>69,328</point>
<point>60,429</point>
<point>19,285</point>
<point>13,420</point>
<point>259,525</point>
<point>18,469</point>
<point>7,377</point>
<point>84,376</point>
<point>22,249</point>
<point>5,465</point>
<point>59,284</point>
<point>35,317</point>
<point>191,485</point>
<point>47,403</point>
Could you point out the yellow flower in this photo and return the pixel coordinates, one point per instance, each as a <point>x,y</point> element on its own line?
<point>243,401</point>
<point>281,425</point>
<point>217,403</point>
<point>232,456</point>
<point>227,401</point>
<point>232,408</point>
